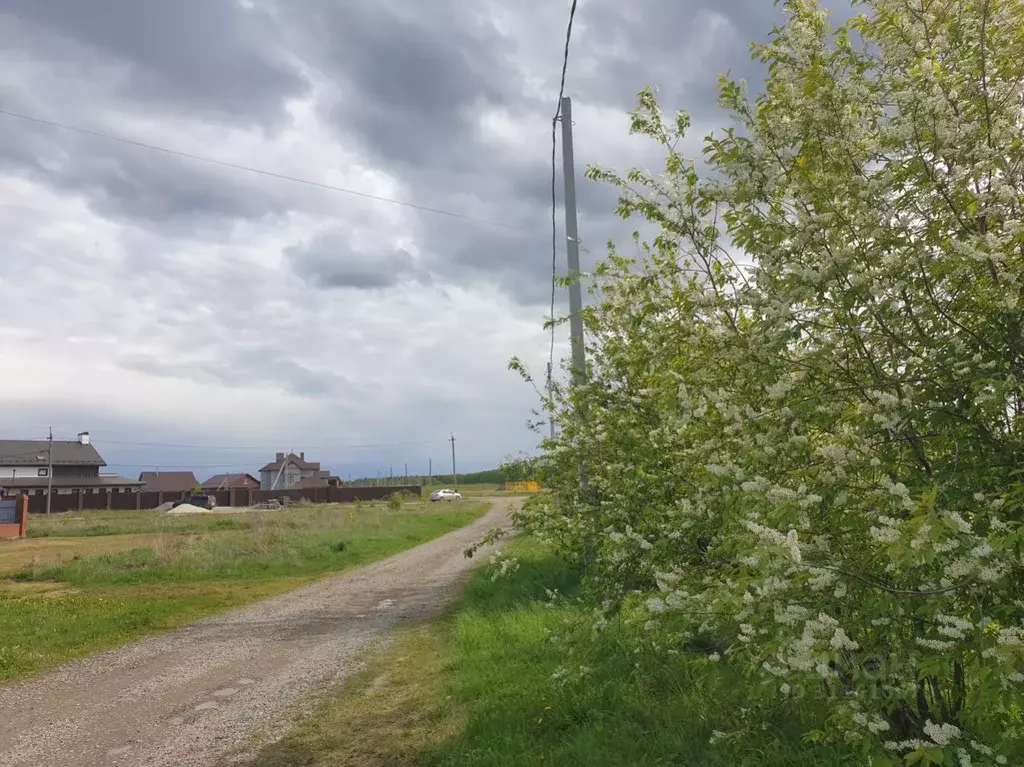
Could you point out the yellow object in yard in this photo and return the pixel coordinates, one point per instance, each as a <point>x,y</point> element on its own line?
<point>523,487</point>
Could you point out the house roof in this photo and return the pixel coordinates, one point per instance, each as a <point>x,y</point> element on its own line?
<point>15,452</point>
<point>294,459</point>
<point>117,479</point>
<point>168,481</point>
<point>308,483</point>
<point>102,481</point>
<point>224,481</point>
<point>319,479</point>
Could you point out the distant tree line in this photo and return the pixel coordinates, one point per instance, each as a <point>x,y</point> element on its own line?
<point>512,470</point>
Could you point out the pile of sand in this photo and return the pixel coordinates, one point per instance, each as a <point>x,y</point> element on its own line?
<point>165,506</point>
<point>188,508</point>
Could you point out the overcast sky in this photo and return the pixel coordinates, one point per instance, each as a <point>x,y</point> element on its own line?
<point>150,298</point>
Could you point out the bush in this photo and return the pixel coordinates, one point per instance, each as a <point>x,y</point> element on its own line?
<point>395,502</point>
<point>813,461</point>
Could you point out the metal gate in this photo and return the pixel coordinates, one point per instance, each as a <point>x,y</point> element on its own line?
<point>9,511</point>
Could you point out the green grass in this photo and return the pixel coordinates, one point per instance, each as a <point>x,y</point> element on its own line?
<point>195,566</point>
<point>476,688</point>
<point>98,523</point>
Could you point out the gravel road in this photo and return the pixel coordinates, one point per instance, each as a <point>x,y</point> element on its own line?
<point>193,695</point>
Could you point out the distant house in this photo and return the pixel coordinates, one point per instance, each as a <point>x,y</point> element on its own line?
<point>231,481</point>
<point>290,472</point>
<point>25,468</point>
<point>318,479</point>
<point>168,481</point>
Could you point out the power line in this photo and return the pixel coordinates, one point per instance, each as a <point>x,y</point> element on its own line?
<point>271,174</point>
<point>554,202</point>
<point>182,466</point>
<point>335,446</point>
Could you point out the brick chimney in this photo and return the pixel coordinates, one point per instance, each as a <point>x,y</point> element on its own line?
<point>302,456</point>
<point>280,457</point>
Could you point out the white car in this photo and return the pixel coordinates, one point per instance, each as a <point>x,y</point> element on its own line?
<point>445,495</point>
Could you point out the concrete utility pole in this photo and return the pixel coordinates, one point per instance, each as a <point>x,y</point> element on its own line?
<point>572,242</point>
<point>572,250</point>
<point>455,477</point>
<point>49,469</point>
<point>430,470</point>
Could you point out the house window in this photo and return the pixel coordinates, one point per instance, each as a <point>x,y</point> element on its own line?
<point>43,473</point>
<point>39,491</point>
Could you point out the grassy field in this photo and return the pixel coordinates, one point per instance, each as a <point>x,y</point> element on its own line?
<point>97,579</point>
<point>34,553</point>
<point>477,688</point>
<point>90,524</point>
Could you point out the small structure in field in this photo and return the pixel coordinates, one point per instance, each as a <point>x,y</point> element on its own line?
<point>13,516</point>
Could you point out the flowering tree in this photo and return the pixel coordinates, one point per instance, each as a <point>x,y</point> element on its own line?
<point>811,464</point>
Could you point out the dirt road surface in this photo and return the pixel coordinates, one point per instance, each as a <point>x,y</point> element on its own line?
<point>198,694</point>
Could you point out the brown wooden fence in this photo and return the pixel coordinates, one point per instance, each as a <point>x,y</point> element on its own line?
<point>104,499</point>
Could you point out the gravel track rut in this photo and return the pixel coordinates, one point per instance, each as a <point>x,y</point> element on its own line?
<point>194,695</point>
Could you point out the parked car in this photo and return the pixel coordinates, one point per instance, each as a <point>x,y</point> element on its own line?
<point>202,501</point>
<point>445,495</point>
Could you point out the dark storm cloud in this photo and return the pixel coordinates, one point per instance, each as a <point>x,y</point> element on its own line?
<point>88,64</point>
<point>244,365</point>
<point>519,264</point>
<point>412,84</point>
<point>209,56</point>
<point>330,261</point>
<point>409,76</point>
<point>173,194</point>
<point>406,84</point>
<point>679,47</point>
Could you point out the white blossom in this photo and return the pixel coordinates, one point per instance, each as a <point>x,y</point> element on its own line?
<point>935,644</point>
<point>941,734</point>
